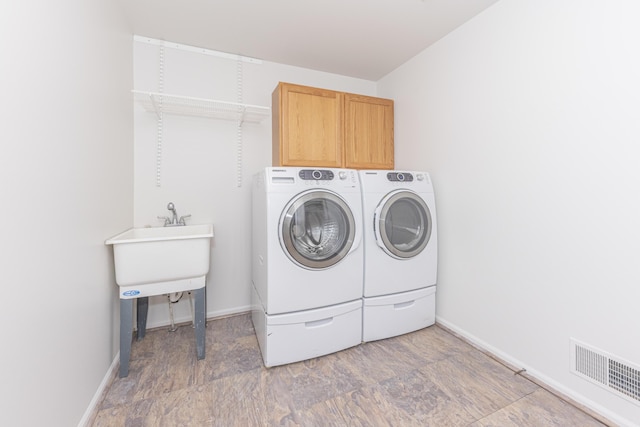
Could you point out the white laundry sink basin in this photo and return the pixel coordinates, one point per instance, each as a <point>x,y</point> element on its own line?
<point>145,256</point>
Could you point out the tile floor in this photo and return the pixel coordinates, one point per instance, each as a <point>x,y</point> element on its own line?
<point>425,378</point>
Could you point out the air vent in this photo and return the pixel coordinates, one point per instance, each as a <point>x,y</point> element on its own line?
<point>606,370</point>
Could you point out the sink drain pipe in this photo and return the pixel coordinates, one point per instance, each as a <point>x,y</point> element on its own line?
<point>174,298</point>
<point>177,296</point>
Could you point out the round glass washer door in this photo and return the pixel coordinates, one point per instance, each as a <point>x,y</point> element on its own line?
<point>402,224</point>
<point>317,229</point>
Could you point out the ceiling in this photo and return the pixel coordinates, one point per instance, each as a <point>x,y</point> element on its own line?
<point>365,39</point>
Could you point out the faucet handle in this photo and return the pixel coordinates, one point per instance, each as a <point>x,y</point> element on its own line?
<point>166,220</point>
<point>182,218</point>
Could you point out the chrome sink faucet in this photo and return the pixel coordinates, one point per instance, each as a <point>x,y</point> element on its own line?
<point>174,217</point>
<point>173,220</point>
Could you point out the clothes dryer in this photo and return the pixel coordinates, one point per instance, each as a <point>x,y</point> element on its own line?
<point>307,262</point>
<point>400,239</point>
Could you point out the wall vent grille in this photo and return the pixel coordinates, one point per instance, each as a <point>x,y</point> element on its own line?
<point>606,370</point>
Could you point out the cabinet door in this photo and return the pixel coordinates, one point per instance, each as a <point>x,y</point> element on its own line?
<point>368,139</point>
<point>307,126</point>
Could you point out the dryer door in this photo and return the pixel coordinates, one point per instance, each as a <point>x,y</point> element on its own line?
<point>317,229</point>
<point>402,224</point>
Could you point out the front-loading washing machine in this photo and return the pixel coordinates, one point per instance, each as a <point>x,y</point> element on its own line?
<point>307,262</point>
<point>401,253</point>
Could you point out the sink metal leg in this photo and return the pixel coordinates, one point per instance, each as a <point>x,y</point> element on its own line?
<point>126,334</point>
<point>200,320</point>
<point>142,305</point>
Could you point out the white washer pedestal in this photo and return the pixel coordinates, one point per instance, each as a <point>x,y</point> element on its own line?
<point>141,295</point>
<point>397,314</point>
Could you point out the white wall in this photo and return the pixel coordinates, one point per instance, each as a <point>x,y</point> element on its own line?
<point>528,118</point>
<point>67,140</point>
<point>199,160</point>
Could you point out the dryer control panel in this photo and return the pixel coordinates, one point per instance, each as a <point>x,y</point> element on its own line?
<point>316,174</point>
<point>400,177</point>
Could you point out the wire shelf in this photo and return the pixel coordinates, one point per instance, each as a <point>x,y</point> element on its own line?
<point>200,107</point>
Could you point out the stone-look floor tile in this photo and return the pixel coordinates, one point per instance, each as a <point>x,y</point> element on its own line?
<point>368,407</point>
<point>539,408</point>
<point>423,401</point>
<point>189,406</point>
<point>174,367</point>
<point>251,398</point>
<point>123,415</point>
<point>120,391</point>
<point>229,328</point>
<point>499,376</point>
<point>314,380</point>
<point>326,414</point>
<point>433,344</point>
<point>396,402</point>
<point>375,361</point>
<point>478,382</point>
<point>228,358</point>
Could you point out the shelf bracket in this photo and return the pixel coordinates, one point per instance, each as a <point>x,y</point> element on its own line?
<point>156,107</point>
<point>160,124</point>
<point>241,110</point>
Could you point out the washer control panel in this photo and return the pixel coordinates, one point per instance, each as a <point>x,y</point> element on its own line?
<point>316,174</point>
<point>400,177</point>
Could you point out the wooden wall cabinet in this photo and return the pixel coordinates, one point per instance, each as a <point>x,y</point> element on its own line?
<point>368,132</point>
<point>324,128</point>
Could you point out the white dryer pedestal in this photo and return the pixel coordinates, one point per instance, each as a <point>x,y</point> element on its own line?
<point>301,335</point>
<point>396,314</point>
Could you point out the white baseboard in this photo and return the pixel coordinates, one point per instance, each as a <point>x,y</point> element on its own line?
<point>98,395</point>
<point>539,376</point>
<point>216,314</point>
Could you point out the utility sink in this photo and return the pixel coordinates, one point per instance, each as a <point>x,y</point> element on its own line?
<point>158,257</point>
<point>156,261</point>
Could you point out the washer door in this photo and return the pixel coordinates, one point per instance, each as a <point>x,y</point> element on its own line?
<point>317,229</point>
<point>402,224</point>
